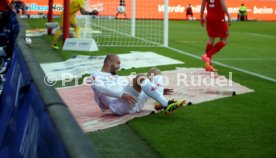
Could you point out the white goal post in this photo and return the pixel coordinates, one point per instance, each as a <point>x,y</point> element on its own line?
<point>127,23</point>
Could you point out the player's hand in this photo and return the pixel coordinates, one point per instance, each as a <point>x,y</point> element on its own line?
<point>129,98</point>
<point>168,91</point>
<point>202,22</point>
<point>94,12</point>
<point>229,21</point>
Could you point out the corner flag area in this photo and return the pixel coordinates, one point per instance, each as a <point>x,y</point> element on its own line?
<point>239,126</point>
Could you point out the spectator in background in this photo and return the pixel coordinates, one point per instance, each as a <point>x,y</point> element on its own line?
<point>18,6</point>
<point>242,16</point>
<point>121,9</point>
<point>189,12</point>
<point>216,27</point>
<point>9,28</point>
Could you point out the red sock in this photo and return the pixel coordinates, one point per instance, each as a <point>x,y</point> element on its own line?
<point>208,47</point>
<point>215,49</point>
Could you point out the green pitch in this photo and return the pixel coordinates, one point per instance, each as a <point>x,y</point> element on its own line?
<point>240,126</point>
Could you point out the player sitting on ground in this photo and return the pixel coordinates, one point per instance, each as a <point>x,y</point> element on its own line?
<point>121,97</point>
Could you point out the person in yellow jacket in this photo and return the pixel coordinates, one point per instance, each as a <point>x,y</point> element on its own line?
<point>75,6</point>
<point>242,16</point>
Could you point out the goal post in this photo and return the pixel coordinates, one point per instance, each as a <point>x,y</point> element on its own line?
<point>166,23</point>
<point>127,23</point>
<point>133,15</point>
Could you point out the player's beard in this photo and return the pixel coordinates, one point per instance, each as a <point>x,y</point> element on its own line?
<point>114,70</point>
<point>113,73</point>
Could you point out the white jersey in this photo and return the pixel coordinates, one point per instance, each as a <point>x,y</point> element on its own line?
<point>108,90</point>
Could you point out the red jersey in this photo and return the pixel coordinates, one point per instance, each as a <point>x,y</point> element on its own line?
<point>189,10</point>
<point>214,10</point>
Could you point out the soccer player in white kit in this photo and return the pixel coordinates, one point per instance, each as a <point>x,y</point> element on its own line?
<point>123,97</point>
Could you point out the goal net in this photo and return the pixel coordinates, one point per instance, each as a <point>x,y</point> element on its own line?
<point>133,23</point>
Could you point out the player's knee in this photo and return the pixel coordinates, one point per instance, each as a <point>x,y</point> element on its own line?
<point>139,79</point>
<point>153,72</point>
<point>211,40</point>
<point>224,41</point>
<point>76,27</point>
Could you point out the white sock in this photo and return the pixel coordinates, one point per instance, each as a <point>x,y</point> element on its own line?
<point>151,91</point>
<point>158,81</point>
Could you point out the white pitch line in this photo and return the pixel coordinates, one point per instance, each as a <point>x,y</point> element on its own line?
<point>261,35</point>
<point>224,65</point>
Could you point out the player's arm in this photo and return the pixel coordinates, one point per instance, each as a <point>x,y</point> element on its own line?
<point>224,7</point>
<point>82,10</point>
<point>101,85</point>
<point>114,92</point>
<point>202,20</point>
<point>85,12</point>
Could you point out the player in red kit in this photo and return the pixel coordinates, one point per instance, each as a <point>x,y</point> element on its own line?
<point>216,27</point>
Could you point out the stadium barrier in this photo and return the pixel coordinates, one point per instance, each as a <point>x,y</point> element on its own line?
<point>34,121</point>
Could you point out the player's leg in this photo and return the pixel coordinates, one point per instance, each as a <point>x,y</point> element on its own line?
<point>210,28</point>
<point>206,57</point>
<point>73,22</point>
<point>141,99</point>
<point>158,82</point>
<point>58,33</point>
<point>157,79</point>
<point>222,33</point>
<point>218,46</point>
<point>117,106</point>
<point>141,82</point>
<point>152,91</point>
<point>55,38</point>
<point>154,75</point>
<point>121,107</point>
<point>209,46</point>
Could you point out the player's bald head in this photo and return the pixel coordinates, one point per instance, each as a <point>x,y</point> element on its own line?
<point>111,63</point>
<point>110,58</point>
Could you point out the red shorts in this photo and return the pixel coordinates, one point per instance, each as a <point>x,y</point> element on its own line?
<point>217,28</point>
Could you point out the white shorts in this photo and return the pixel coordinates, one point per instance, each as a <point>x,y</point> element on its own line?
<point>119,106</point>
